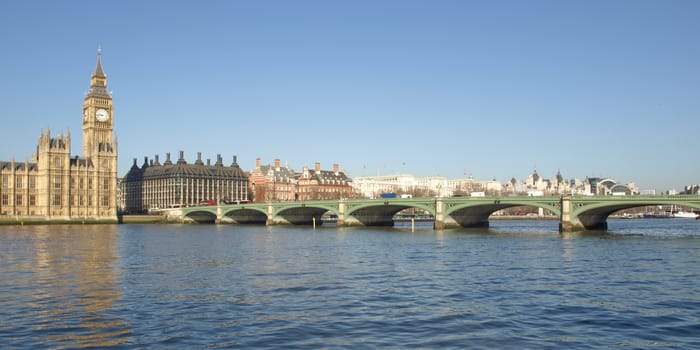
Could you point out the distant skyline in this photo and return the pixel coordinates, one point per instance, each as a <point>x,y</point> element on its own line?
<point>492,89</point>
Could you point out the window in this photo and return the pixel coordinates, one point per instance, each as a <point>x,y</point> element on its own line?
<point>32,182</point>
<point>81,183</point>
<point>18,182</point>
<point>81,200</point>
<point>105,201</point>
<point>57,182</point>
<point>56,199</point>
<point>18,199</point>
<point>5,181</point>
<point>105,184</point>
<point>32,200</point>
<point>89,184</point>
<point>5,199</point>
<point>57,162</point>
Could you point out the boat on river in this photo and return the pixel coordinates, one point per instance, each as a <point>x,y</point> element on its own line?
<point>684,215</point>
<point>656,215</point>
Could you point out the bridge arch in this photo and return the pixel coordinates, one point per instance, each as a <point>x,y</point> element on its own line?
<point>379,212</point>
<point>475,213</point>
<point>200,216</point>
<point>429,207</point>
<point>592,214</point>
<point>306,215</point>
<point>301,213</point>
<point>244,215</point>
<point>312,206</point>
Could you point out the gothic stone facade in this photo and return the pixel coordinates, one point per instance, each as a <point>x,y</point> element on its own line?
<point>57,186</point>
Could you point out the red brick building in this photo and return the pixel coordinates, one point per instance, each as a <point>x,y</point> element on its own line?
<point>320,184</point>
<point>281,184</point>
<point>272,183</point>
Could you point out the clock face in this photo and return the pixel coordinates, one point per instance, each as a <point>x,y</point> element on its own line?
<point>101,115</point>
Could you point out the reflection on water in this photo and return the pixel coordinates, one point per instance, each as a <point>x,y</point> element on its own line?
<point>60,284</point>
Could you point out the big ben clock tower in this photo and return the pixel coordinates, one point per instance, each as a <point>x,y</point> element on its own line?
<point>97,114</point>
<point>99,143</point>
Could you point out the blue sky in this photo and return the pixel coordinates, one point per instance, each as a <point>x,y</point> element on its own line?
<point>494,89</point>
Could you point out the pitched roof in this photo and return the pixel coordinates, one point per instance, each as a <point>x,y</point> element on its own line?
<point>192,170</point>
<point>99,91</point>
<point>98,70</point>
<point>19,166</point>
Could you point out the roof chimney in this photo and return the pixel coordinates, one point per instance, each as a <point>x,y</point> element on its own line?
<point>335,168</point>
<point>318,167</point>
<point>277,165</point>
<point>182,158</point>
<point>257,163</point>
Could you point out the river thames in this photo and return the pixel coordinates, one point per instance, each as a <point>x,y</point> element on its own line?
<point>516,285</point>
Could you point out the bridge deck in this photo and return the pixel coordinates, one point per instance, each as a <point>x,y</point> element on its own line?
<point>575,212</point>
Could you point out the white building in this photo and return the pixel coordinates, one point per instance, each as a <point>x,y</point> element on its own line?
<point>373,186</point>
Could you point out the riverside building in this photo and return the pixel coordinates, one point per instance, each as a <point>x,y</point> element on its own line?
<point>282,184</point>
<point>374,186</point>
<point>317,184</point>
<point>56,186</point>
<point>272,183</point>
<point>172,185</point>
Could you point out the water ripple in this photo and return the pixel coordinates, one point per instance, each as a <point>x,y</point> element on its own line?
<point>190,286</point>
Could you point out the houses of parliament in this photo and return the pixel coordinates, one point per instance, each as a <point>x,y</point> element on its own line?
<point>56,186</point>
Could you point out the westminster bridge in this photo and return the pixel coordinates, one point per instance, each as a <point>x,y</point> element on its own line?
<point>575,213</point>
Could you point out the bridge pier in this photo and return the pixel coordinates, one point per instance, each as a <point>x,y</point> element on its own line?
<point>566,223</point>
<point>218,214</point>
<point>341,213</point>
<point>439,223</point>
<point>270,211</point>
